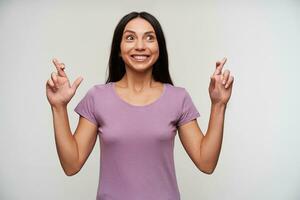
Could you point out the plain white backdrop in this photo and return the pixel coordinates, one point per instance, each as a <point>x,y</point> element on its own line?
<point>260,156</point>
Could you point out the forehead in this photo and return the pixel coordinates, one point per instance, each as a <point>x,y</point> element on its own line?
<point>139,25</point>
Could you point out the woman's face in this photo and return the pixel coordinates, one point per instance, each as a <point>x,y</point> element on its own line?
<point>139,46</point>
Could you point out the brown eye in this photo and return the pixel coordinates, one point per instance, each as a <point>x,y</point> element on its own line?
<point>150,37</point>
<point>129,37</point>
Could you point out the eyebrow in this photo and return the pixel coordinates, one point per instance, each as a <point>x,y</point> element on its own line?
<point>134,32</point>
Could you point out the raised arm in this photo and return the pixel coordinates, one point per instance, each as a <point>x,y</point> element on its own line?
<point>205,150</point>
<point>73,150</point>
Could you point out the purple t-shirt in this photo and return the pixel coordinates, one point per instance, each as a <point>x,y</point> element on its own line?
<point>137,142</point>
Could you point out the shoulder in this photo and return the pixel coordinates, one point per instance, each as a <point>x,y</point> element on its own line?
<point>178,92</point>
<point>99,89</point>
<point>180,95</point>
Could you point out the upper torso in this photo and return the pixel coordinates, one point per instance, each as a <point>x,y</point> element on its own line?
<point>136,142</point>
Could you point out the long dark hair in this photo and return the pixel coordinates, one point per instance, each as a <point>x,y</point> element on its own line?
<point>116,64</point>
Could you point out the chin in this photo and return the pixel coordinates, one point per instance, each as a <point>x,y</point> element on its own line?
<point>140,66</point>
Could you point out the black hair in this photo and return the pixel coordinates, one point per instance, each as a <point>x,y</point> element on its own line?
<point>116,64</point>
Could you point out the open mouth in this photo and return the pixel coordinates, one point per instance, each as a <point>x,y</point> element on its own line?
<point>140,58</point>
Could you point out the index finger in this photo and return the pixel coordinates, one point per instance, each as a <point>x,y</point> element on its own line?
<point>59,67</point>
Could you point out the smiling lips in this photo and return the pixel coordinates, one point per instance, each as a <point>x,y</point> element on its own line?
<point>139,58</point>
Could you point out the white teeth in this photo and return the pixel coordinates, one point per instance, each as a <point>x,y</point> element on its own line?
<point>140,58</point>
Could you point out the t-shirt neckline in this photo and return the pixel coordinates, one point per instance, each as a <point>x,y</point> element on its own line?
<point>112,87</point>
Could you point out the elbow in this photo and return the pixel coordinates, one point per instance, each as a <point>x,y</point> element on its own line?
<point>206,169</point>
<point>206,166</point>
<point>71,171</point>
<point>209,172</point>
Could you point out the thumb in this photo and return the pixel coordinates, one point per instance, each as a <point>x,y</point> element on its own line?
<point>76,83</point>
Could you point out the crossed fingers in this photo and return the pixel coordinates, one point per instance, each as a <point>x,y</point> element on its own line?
<point>53,81</point>
<point>60,67</point>
<point>219,66</point>
<point>225,77</point>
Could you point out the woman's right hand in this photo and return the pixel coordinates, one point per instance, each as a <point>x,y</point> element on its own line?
<point>58,89</point>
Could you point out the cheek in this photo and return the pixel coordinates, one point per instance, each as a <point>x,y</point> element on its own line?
<point>125,47</point>
<point>155,50</point>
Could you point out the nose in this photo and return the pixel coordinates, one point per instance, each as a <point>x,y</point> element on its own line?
<point>140,45</point>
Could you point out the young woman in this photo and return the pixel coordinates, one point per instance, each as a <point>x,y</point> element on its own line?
<point>136,114</point>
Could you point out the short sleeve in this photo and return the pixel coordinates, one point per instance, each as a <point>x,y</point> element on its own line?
<point>85,107</point>
<point>188,110</point>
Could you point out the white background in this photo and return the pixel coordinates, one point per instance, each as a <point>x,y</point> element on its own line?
<point>260,157</point>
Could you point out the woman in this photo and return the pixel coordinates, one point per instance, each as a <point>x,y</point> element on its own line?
<point>137,113</point>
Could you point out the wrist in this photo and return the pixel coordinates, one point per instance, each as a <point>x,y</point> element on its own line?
<point>58,107</point>
<point>219,105</point>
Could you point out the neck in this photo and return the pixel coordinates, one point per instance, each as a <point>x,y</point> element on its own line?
<point>137,80</point>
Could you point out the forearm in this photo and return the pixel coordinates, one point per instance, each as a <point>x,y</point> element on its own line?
<point>65,142</point>
<point>212,141</point>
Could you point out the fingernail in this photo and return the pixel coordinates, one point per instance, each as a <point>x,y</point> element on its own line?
<point>223,82</point>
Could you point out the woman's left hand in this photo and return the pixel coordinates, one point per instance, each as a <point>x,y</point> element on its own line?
<point>220,86</point>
